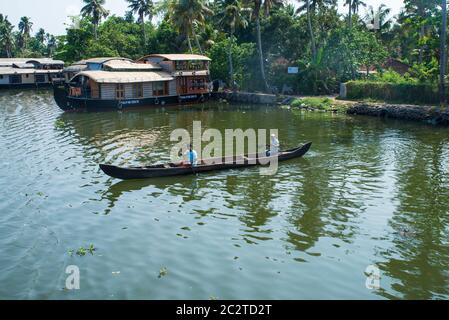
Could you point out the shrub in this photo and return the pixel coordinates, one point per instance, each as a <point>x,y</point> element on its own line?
<point>393,92</point>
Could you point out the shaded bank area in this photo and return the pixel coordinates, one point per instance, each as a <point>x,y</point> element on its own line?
<point>430,114</point>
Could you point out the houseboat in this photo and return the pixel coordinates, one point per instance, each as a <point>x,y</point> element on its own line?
<point>30,72</point>
<point>118,83</point>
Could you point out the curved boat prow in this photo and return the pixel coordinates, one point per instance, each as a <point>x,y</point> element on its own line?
<point>60,96</point>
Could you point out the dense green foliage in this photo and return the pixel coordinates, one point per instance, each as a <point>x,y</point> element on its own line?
<point>404,92</point>
<point>252,42</point>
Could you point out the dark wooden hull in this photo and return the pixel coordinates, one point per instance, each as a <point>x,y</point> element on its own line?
<point>68,103</point>
<point>172,170</point>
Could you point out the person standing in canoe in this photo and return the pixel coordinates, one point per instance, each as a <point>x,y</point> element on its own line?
<point>274,145</point>
<point>191,157</point>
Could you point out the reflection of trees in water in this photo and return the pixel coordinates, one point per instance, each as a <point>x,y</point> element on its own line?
<point>252,194</point>
<point>335,184</point>
<point>418,262</point>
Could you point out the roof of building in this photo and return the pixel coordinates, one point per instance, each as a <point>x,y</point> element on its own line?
<point>129,65</point>
<point>177,57</point>
<point>23,65</point>
<point>9,71</point>
<point>102,60</point>
<point>76,68</point>
<point>126,77</point>
<point>10,61</point>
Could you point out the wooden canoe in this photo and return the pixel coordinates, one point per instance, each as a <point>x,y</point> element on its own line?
<point>174,169</point>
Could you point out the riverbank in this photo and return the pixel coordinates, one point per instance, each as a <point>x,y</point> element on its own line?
<point>429,114</point>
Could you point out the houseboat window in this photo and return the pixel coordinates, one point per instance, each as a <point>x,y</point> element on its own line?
<point>40,78</point>
<point>138,90</point>
<point>196,65</point>
<point>191,65</point>
<point>198,84</point>
<point>120,91</point>
<point>1,77</point>
<point>160,88</point>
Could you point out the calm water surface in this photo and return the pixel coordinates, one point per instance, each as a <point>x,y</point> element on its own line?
<point>370,192</point>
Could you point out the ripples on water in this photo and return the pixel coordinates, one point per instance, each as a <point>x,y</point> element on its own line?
<point>369,192</point>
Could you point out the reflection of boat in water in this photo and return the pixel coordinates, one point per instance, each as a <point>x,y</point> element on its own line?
<point>172,169</point>
<point>115,191</point>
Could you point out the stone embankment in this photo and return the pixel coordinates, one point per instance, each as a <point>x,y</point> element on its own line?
<point>429,114</point>
<point>247,97</point>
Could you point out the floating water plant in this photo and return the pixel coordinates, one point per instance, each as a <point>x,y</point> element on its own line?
<point>163,272</point>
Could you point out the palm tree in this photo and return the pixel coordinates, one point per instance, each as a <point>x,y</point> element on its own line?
<point>443,59</point>
<point>6,36</point>
<point>419,11</point>
<point>51,44</point>
<point>379,16</point>
<point>356,4</point>
<point>144,8</point>
<point>95,10</point>
<point>40,36</point>
<point>310,6</point>
<point>349,3</point>
<point>187,16</point>
<point>258,6</point>
<point>25,28</point>
<point>232,16</point>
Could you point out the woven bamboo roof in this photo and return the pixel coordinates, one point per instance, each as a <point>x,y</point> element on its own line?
<point>178,57</point>
<point>10,71</point>
<point>126,77</point>
<point>128,65</point>
<point>6,62</point>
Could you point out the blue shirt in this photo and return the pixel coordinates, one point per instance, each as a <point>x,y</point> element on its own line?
<point>192,157</point>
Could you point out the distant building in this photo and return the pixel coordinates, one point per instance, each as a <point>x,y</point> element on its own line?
<point>33,72</point>
<point>391,64</point>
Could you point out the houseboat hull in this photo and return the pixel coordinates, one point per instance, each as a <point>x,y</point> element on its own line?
<point>68,103</point>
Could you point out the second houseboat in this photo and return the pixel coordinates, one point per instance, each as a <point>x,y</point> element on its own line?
<point>118,83</point>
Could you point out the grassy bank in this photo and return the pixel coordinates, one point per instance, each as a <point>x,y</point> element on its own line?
<point>320,104</point>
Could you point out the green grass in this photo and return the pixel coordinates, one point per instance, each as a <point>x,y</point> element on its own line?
<point>318,103</point>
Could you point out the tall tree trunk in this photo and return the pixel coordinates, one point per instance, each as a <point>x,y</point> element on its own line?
<point>231,66</point>
<point>96,30</point>
<point>443,59</point>
<point>259,45</point>
<point>312,36</point>
<point>189,43</point>
<point>421,48</point>
<point>197,41</point>
<point>350,14</point>
<point>142,21</point>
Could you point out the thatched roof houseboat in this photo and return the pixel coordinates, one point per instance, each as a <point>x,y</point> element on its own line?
<point>103,83</point>
<point>31,72</point>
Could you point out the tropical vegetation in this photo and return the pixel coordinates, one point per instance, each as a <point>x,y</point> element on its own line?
<point>253,42</point>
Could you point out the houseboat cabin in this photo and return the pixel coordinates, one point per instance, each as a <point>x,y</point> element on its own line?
<point>105,83</point>
<point>29,72</point>
<point>89,64</point>
<point>191,71</point>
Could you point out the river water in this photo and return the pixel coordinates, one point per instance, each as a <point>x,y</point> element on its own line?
<point>369,204</point>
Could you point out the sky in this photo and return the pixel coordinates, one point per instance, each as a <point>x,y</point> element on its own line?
<point>52,14</point>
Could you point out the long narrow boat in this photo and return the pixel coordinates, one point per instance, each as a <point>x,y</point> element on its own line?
<point>175,169</point>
